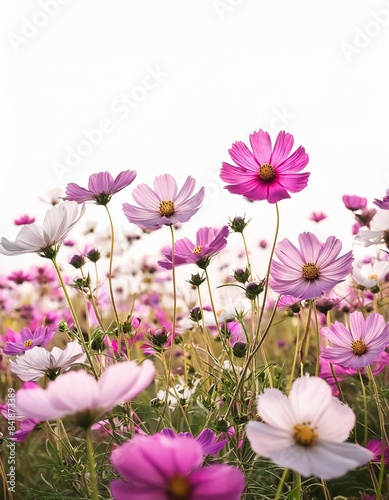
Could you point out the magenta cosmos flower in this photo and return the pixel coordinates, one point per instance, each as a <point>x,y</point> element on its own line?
<point>209,241</point>
<point>353,202</point>
<point>27,339</point>
<point>158,467</point>
<point>266,173</point>
<point>45,239</point>
<point>310,271</point>
<point>163,205</point>
<point>384,203</point>
<point>306,431</point>
<point>358,346</point>
<point>79,394</point>
<point>101,187</point>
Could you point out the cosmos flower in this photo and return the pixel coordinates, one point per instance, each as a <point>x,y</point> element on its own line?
<point>353,202</point>
<point>375,446</point>
<point>210,443</point>
<point>306,431</point>
<point>79,394</point>
<point>27,339</point>
<point>317,216</point>
<point>19,277</point>
<point>163,205</point>
<point>358,346</point>
<point>45,239</point>
<point>161,468</point>
<point>384,203</point>
<point>38,362</point>
<point>266,173</point>
<point>310,271</point>
<point>371,274</point>
<point>24,219</point>
<point>101,187</point>
<point>378,232</point>
<point>209,241</point>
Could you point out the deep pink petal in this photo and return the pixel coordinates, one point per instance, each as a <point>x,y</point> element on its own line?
<point>282,148</point>
<point>261,144</point>
<point>243,157</point>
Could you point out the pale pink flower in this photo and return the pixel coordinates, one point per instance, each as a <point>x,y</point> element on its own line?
<point>45,239</point>
<point>38,362</point>
<point>358,346</point>
<point>163,205</point>
<point>306,431</point>
<point>101,187</point>
<point>266,173</point>
<point>310,271</point>
<point>80,394</point>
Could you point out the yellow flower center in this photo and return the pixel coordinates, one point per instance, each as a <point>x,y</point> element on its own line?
<point>197,249</point>
<point>373,276</point>
<point>179,488</point>
<point>359,347</point>
<point>304,434</point>
<point>27,343</point>
<point>310,271</point>
<point>266,172</point>
<point>166,208</point>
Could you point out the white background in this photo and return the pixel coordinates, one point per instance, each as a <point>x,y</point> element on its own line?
<point>315,68</point>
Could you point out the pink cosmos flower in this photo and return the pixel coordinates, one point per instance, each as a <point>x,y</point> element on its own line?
<point>306,431</point>
<point>374,445</point>
<point>79,394</point>
<point>353,202</point>
<point>160,468</point>
<point>358,346</point>
<point>209,241</point>
<point>384,203</point>
<point>310,271</point>
<point>27,339</point>
<point>101,187</point>
<point>19,277</point>
<point>317,216</point>
<point>210,443</point>
<point>163,205</point>
<point>266,173</point>
<point>44,239</point>
<point>24,219</point>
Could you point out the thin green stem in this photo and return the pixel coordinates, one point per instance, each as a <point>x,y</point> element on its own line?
<point>110,274</point>
<point>74,316</point>
<point>364,408</point>
<point>281,484</point>
<point>92,465</point>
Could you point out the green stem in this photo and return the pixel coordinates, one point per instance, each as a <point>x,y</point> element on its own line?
<point>110,275</point>
<point>364,408</point>
<point>281,484</point>
<point>74,316</point>
<point>92,465</point>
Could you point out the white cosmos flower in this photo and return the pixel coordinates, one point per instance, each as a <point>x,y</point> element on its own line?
<point>378,232</point>
<point>371,274</point>
<point>306,431</point>
<point>57,224</point>
<point>38,362</point>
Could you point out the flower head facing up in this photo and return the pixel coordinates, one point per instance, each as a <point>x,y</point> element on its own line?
<point>266,172</point>
<point>299,431</point>
<point>79,394</point>
<point>209,241</point>
<point>27,339</point>
<point>163,205</point>
<point>165,468</point>
<point>358,346</point>
<point>308,272</point>
<point>101,187</point>
<point>45,240</point>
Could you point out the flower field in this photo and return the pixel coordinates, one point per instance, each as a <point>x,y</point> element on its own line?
<point>193,376</point>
